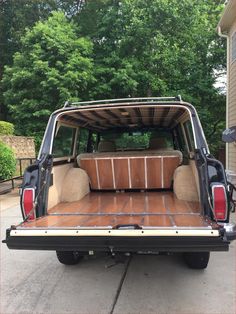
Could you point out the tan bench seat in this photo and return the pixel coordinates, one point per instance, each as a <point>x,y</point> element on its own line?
<point>130,170</point>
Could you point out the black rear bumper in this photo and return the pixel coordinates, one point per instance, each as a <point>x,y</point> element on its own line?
<point>118,244</point>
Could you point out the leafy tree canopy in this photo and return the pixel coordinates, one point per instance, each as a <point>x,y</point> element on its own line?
<point>16,16</point>
<point>135,48</point>
<point>159,48</point>
<point>54,65</point>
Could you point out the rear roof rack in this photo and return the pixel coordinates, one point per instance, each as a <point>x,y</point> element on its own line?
<point>128,100</point>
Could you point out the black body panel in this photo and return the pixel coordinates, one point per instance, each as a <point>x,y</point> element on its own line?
<point>118,244</point>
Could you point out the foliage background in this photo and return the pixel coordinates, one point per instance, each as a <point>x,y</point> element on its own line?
<point>7,162</point>
<point>6,128</point>
<point>57,50</point>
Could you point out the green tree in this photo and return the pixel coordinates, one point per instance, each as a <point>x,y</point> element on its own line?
<point>140,48</point>
<point>158,48</point>
<point>52,66</point>
<point>16,16</point>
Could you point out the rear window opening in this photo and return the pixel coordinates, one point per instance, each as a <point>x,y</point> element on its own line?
<point>127,129</point>
<point>139,140</point>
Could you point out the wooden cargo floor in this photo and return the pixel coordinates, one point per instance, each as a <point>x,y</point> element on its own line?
<point>108,209</point>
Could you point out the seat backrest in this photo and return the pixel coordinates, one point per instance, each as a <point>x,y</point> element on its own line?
<point>106,146</point>
<point>158,143</point>
<point>130,170</point>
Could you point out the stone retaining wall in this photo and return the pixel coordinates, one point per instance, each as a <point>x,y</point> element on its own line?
<point>22,146</point>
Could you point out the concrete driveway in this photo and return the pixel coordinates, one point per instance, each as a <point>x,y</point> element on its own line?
<point>35,282</point>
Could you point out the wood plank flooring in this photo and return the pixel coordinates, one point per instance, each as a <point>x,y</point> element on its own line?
<point>108,209</point>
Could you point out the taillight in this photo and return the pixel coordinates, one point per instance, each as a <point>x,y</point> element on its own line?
<point>28,203</point>
<point>219,201</point>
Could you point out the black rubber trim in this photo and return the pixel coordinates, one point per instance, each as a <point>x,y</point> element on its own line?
<point>118,244</point>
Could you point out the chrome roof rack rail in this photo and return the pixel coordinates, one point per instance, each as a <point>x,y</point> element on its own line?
<point>127,100</point>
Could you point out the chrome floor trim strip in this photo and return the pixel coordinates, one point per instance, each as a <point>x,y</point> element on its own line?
<point>115,233</point>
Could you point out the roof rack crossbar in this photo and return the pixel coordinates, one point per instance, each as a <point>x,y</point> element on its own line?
<point>107,101</point>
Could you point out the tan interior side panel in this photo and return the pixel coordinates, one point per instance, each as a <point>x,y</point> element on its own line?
<point>185,187</point>
<point>195,173</point>
<point>75,185</point>
<point>59,173</point>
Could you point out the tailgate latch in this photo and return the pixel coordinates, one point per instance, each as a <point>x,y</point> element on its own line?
<point>127,226</point>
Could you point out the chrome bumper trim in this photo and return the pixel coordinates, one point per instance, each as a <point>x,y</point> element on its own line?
<point>230,230</point>
<point>115,233</point>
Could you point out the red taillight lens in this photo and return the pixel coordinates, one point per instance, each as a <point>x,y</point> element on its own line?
<point>28,203</point>
<point>219,201</point>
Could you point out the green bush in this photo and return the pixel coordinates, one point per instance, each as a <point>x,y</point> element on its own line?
<point>6,128</point>
<point>7,162</point>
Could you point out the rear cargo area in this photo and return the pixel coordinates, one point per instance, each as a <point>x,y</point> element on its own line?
<point>102,210</point>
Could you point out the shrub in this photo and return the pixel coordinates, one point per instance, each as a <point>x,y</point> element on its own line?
<point>6,128</point>
<point>7,162</point>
